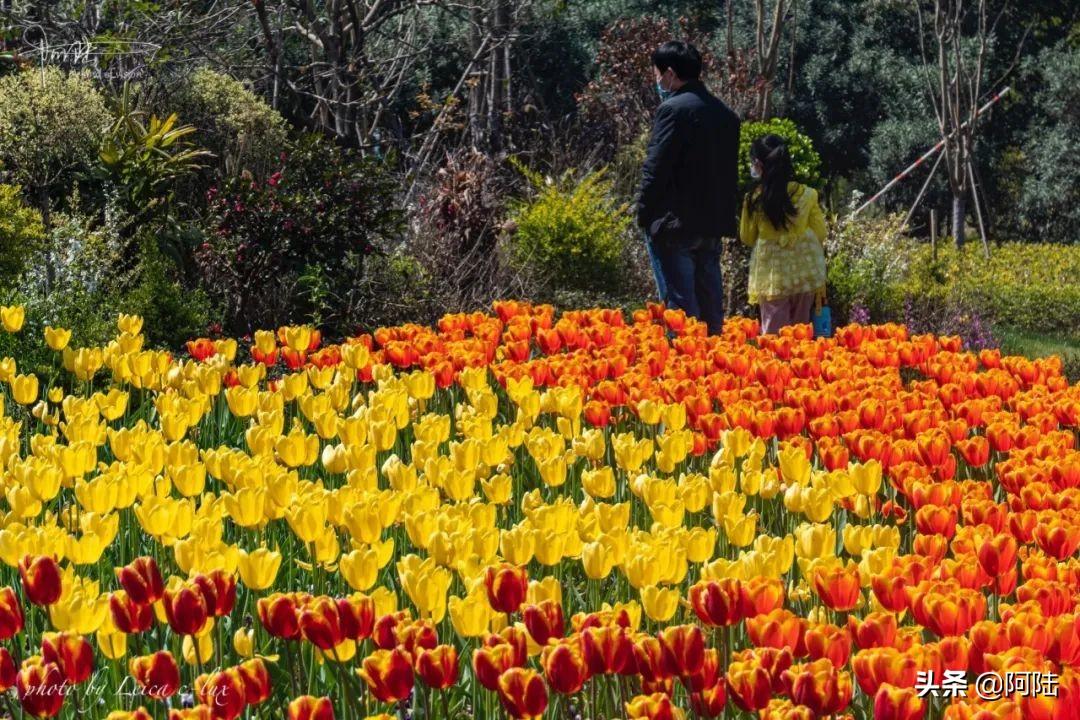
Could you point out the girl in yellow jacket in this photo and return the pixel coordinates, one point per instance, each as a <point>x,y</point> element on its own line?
<point>783,223</point>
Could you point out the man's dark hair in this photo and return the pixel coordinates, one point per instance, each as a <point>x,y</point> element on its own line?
<point>682,58</point>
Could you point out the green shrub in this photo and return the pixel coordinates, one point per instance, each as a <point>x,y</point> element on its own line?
<point>21,233</point>
<point>233,122</point>
<point>867,261</point>
<point>571,232</point>
<point>51,125</point>
<point>1027,286</point>
<point>804,158</point>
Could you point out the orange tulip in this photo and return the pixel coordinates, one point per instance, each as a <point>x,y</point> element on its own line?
<point>819,686</point>
<point>760,595</point>
<point>1057,539</point>
<point>874,667</point>
<point>778,629</point>
<point>828,641</point>
<point>893,703</point>
<point>878,629</point>
<point>838,587</point>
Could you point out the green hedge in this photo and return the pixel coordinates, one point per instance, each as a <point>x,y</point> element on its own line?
<point>1026,286</point>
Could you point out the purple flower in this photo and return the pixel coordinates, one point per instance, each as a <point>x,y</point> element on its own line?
<point>860,314</point>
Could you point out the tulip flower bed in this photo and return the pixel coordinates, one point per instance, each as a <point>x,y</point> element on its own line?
<point>527,514</point>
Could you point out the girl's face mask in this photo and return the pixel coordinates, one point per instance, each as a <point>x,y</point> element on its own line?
<point>755,169</point>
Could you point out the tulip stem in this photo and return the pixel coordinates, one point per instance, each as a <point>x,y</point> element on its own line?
<point>445,702</point>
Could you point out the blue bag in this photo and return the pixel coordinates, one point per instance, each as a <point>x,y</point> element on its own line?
<point>823,322</point>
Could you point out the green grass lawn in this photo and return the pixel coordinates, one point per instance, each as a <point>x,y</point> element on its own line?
<point>1035,345</point>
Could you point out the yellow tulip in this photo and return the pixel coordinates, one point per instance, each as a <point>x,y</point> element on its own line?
<point>24,389</point>
<point>599,483</point>
<point>659,604</point>
<point>518,544</point>
<point>259,568</point>
<point>598,560</point>
<point>498,489</point>
<point>866,477</point>
<point>13,317</point>
<point>740,531</point>
<point>57,338</point>
<point>700,544</point>
<point>205,649</point>
<point>360,568</point>
<point>815,541</point>
<point>113,645</point>
<point>471,616</point>
<point>244,642</point>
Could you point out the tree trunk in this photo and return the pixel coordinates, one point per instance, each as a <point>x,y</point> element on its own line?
<point>500,25</point>
<point>959,210</point>
<point>476,89</point>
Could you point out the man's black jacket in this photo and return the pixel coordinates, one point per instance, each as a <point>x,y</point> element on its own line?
<point>690,178</point>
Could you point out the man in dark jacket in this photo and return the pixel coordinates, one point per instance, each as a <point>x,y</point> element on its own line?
<point>687,201</point>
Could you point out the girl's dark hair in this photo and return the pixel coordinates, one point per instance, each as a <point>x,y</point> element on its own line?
<point>774,198</point>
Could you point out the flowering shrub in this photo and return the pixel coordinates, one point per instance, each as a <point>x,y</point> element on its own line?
<point>580,513</point>
<point>294,245</point>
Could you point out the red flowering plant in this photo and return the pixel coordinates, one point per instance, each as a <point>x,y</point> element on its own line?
<point>292,245</point>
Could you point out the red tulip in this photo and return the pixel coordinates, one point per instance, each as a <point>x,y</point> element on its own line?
<point>388,674</point>
<point>223,692</point>
<point>893,703</point>
<point>128,616</point>
<point>717,602</point>
<point>141,580</point>
<point>11,614</point>
<point>564,666</point>
<point>40,687</point>
<point>158,674</point>
<point>506,586</point>
<point>438,667</point>
<point>544,621</point>
<point>256,680</point>
<point>307,707</point>
<point>279,614</point>
<point>71,653</point>
<point>40,578</point>
<point>522,693</point>
<point>186,609</point>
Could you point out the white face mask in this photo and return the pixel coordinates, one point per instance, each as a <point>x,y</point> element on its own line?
<point>755,171</point>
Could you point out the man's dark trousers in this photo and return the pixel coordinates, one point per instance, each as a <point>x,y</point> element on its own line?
<point>692,282</point>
